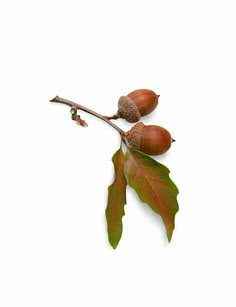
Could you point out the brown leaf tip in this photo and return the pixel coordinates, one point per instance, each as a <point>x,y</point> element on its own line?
<point>81,122</point>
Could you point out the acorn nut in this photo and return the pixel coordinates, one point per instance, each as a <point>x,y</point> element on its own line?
<point>151,139</point>
<point>136,104</point>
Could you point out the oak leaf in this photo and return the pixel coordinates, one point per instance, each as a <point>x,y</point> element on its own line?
<point>150,179</point>
<point>116,200</point>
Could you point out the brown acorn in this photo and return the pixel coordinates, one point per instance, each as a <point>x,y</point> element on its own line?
<point>152,140</point>
<point>136,104</point>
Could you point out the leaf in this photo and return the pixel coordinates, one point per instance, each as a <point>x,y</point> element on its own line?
<point>150,179</point>
<point>80,121</point>
<point>116,200</point>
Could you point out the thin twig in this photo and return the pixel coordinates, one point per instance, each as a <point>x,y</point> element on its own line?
<point>115,116</point>
<point>80,107</point>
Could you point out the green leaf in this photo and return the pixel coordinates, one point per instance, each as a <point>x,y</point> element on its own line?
<point>116,200</point>
<point>153,185</point>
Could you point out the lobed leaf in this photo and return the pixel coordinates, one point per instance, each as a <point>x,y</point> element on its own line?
<point>116,200</point>
<point>150,179</point>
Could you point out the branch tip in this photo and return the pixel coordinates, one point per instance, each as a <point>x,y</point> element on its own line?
<point>76,106</point>
<point>54,99</point>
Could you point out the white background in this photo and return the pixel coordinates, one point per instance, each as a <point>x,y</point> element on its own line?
<point>54,174</point>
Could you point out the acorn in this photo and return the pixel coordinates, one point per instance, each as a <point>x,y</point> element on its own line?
<point>136,104</point>
<point>151,139</point>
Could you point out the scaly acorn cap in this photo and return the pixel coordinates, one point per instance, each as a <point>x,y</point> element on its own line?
<point>134,135</point>
<point>127,109</point>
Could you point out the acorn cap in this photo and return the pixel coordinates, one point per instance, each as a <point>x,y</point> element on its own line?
<point>134,135</point>
<point>128,110</point>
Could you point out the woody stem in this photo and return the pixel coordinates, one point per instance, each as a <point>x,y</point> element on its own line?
<point>80,107</point>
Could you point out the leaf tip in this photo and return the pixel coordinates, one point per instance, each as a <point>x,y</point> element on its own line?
<point>169,235</point>
<point>114,244</point>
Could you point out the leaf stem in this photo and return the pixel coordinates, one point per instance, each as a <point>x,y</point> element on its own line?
<point>80,107</point>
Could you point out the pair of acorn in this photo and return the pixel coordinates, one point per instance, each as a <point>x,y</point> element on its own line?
<point>150,139</point>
